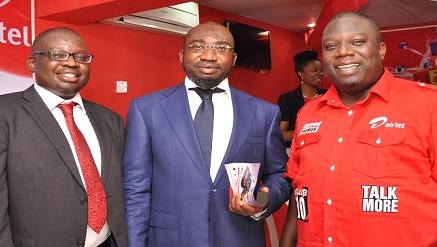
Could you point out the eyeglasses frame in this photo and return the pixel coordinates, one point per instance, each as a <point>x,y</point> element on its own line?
<point>203,47</point>
<point>69,54</point>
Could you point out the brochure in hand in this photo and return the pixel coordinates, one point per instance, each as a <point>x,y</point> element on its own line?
<point>243,178</point>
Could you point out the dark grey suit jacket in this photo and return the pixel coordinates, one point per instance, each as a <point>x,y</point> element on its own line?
<point>42,197</point>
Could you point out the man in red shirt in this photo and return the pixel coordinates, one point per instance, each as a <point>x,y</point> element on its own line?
<point>363,160</point>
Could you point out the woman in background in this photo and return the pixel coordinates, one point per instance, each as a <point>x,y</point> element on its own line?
<point>310,72</point>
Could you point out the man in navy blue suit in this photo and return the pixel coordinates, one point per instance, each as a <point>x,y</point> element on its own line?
<point>173,198</point>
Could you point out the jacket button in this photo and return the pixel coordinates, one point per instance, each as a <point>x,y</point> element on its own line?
<point>80,243</point>
<point>83,200</point>
<point>214,189</point>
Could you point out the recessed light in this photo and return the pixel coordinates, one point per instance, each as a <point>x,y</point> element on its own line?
<point>314,24</point>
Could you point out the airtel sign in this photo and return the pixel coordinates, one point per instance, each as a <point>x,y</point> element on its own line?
<point>14,35</point>
<point>4,3</point>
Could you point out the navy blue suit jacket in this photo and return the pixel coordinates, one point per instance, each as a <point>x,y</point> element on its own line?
<point>170,197</point>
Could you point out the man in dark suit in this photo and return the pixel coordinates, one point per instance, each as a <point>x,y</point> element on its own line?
<point>174,198</point>
<point>43,194</point>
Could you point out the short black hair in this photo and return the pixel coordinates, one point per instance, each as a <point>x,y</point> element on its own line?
<point>361,16</point>
<point>302,59</point>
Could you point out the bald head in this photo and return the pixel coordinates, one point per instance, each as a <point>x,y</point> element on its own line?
<point>210,27</point>
<point>41,40</point>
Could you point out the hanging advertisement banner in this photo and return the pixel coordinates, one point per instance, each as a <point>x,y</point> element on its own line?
<point>15,42</point>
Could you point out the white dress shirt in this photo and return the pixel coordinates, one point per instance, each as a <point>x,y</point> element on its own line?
<point>82,121</point>
<point>223,120</point>
<point>223,123</point>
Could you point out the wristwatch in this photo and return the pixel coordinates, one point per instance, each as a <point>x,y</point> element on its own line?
<point>262,198</point>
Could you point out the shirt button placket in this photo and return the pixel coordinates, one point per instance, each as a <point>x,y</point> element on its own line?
<point>330,178</point>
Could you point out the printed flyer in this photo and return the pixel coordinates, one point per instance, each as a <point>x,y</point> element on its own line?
<point>243,178</point>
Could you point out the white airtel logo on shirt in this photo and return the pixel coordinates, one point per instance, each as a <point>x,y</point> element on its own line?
<point>4,3</point>
<point>380,121</point>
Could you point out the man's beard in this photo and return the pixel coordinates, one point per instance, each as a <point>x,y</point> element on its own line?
<point>206,83</point>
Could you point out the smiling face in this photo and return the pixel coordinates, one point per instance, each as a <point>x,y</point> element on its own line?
<point>63,78</point>
<point>208,67</point>
<point>353,53</point>
<point>312,73</point>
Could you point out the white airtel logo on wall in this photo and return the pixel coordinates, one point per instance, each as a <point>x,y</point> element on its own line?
<point>4,3</point>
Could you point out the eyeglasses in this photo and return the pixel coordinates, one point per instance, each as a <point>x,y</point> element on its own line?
<point>64,56</point>
<point>198,47</point>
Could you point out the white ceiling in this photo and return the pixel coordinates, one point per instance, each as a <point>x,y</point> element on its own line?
<point>296,14</point>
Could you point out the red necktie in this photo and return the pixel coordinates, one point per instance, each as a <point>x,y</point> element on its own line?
<point>97,208</point>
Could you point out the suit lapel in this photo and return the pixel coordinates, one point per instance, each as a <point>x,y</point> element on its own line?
<point>177,111</point>
<point>44,118</point>
<point>244,115</point>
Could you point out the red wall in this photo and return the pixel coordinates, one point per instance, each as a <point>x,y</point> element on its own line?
<point>149,61</point>
<point>418,39</point>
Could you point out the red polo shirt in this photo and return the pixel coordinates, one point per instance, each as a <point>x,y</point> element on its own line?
<point>366,175</point>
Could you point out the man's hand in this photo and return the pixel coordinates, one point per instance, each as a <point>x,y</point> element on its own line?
<point>236,205</point>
